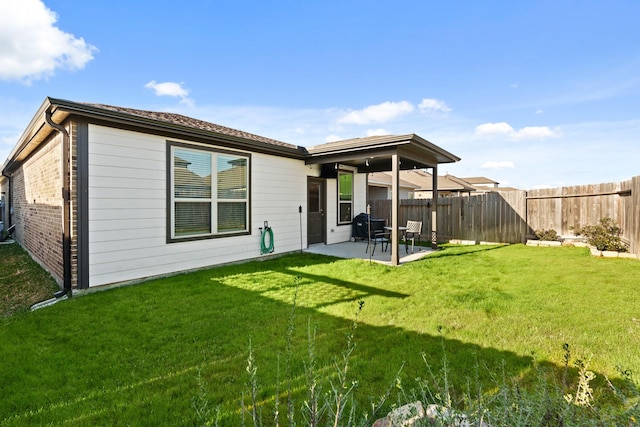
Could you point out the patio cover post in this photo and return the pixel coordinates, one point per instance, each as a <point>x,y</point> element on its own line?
<point>395,208</point>
<point>434,212</point>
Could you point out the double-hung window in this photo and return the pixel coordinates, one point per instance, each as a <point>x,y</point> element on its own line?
<point>345,197</point>
<point>208,192</point>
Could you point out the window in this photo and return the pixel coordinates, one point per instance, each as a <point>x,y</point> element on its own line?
<point>209,193</point>
<point>345,197</point>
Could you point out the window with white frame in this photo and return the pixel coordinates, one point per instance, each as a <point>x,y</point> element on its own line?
<point>345,197</point>
<point>209,192</point>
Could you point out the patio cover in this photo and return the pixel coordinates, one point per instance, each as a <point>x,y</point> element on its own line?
<point>382,154</point>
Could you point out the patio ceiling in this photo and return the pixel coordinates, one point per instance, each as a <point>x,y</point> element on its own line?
<point>374,154</point>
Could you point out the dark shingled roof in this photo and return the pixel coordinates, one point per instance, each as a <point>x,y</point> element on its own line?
<point>179,119</point>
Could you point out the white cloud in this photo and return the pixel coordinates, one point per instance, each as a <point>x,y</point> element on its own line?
<point>507,164</point>
<point>377,132</point>
<point>32,47</point>
<point>377,113</point>
<point>502,128</point>
<point>505,129</point>
<point>429,105</point>
<point>534,132</point>
<point>170,89</point>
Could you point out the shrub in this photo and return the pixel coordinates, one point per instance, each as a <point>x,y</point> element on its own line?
<point>550,234</point>
<point>605,236</point>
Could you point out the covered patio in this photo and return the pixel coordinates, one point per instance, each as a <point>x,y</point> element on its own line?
<point>383,154</point>
<point>358,250</point>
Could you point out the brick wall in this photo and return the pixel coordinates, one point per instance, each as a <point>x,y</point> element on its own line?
<point>37,202</point>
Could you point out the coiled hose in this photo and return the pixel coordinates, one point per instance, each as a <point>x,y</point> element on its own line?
<point>266,234</point>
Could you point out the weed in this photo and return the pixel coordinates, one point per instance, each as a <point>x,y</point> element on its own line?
<point>547,234</point>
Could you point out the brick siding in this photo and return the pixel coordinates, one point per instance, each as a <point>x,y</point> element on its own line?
<point>37,202</point>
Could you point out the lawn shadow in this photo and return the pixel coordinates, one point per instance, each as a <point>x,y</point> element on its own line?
<point>462,250</point>
<point>380,352</point>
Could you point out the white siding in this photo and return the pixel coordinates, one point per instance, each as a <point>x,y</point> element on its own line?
<point>127,210</point>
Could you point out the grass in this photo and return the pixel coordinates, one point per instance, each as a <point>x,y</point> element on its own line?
<point>144,354</point>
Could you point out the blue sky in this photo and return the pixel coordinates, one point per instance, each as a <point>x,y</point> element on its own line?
<point>529,93</point>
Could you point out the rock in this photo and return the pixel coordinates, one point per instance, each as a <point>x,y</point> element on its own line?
<point>409,415</point>
<point>404,416</point>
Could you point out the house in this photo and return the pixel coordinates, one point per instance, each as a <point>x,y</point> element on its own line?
<point>416,184</point>
<point>481,184</point>
<point>101,194</point>
<point>379,185</point>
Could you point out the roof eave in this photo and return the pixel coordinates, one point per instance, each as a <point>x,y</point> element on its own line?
<point>33,135</point>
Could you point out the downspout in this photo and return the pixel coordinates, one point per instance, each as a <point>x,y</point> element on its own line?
<point>66,209</point>
<point>9,204</point>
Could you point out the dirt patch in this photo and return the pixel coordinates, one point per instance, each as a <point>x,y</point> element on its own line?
<point>22,281</point>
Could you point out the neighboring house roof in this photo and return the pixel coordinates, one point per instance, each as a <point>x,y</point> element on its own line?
<point>425,181</point>
<point>489,189</point>
<point>480,180</point>
<point>383,179</point>
<point>482,184</point>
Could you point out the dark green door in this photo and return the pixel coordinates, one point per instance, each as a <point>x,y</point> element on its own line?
<point>316,208</point>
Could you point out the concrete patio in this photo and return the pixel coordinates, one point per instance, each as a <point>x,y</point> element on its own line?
<point>358,248</point>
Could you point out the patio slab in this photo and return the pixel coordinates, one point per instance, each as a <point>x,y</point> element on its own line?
<point>358,248</point>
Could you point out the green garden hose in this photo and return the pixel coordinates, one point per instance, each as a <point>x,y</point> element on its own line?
<point>264,249</point>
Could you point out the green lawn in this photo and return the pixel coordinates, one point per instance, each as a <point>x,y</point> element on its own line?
<point>150,354</point>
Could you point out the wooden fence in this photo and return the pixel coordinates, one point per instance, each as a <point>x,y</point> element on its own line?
<point>513,216</point>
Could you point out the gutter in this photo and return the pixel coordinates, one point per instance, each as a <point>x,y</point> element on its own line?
<point>66,209</point>
<point>9,195</point>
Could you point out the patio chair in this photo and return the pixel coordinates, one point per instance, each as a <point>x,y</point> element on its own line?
<point>378,235</point>
<point>381,237</point>
<point>414,228</point>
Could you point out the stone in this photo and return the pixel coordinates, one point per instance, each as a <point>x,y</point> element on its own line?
<point>404,416</point>
<point>409,415</point>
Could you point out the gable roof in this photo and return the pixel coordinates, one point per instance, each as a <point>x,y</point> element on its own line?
<point>479,180</point>
<point>189,122</point>
<point>171,125</point>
